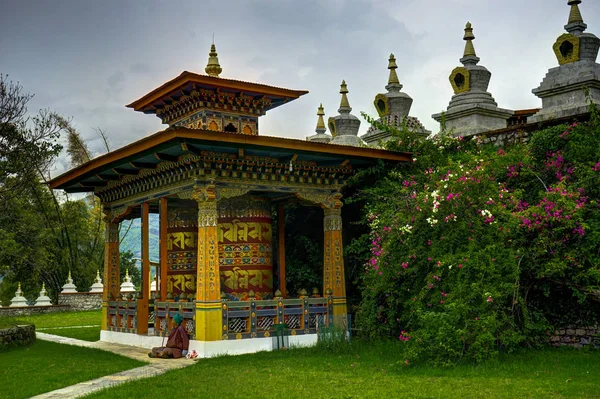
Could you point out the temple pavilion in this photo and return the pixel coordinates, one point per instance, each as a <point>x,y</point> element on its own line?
<point>219,188</point>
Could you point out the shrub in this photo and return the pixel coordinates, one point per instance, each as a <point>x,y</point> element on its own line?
<point>474,248</point>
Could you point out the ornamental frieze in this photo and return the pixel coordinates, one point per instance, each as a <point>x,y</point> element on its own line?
<point>223,169</point>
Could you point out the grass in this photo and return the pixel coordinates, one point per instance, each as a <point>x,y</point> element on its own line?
<point>46,366</point>
<point>63,319</point>
<point>374,371</point>
<point>52,323</point>
<point>91,334</point>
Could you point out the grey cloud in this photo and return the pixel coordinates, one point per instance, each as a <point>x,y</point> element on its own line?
<point>140,67</point>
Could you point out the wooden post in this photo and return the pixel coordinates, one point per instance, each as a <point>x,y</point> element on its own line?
<point>112,280</point>
<point>334,282</point>
<point>164,227</point>
<point>142,308</point>
<point>281,248</point>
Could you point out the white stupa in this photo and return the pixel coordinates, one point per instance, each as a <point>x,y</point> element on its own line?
<point>69,287</point>
<point>19,299</point>
<point>153,285</point>
<point>43,300</point>
<point>97,286</point>
<point>127,285</point>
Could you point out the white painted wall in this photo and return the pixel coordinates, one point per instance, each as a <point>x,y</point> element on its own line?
<point>209,348</point>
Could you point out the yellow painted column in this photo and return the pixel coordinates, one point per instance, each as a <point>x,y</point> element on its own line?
<point>334,282</point>
<point>112,283</point>
<point>208,288</point>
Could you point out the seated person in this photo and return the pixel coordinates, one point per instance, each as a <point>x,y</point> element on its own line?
<point>177,343</point>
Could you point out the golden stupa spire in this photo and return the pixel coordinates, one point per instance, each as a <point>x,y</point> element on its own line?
<point>469,37</point>
<point>344,104</point>
<point>213,68</point>
<point>575,14</point>
<point>320,122</point>
<point>392,66</point>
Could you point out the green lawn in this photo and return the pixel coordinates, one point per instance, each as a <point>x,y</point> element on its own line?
<point>49,322</point>
<point>46,366</point>
<point>65,319</point>
<point>374,371</point>
<point>91,334</point>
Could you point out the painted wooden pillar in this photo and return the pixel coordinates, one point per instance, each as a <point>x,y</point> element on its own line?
<point>281,247</point>
<point>334,283</point>
<point>142,303</point>
<point>208,283</point>
<point>164,228</point>
<point>112,283</point>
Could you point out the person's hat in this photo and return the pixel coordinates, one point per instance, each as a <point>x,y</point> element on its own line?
<point>178,318</point>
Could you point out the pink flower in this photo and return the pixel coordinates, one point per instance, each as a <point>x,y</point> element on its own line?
<point>352,365</point>
<point>442,301</point>
<point>489,299</point>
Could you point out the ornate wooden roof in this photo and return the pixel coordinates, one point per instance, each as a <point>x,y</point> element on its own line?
<point>158,159</point>
<point>190,91</point>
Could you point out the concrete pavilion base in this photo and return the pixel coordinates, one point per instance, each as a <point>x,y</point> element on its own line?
<point>211,348</point>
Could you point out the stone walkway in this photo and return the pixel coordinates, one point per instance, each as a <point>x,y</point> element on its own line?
<point>155,367</point>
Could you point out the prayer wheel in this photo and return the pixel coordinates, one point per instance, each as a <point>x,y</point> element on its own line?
<point>245,250</point>
<point>182,252</point>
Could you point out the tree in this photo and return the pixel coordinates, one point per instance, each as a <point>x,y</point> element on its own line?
<point>27,146</point>
<point>43,235</point>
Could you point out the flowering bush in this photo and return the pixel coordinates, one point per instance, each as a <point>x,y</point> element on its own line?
<point>477,249</point>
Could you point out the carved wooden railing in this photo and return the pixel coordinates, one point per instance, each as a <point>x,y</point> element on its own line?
<point>259,318</point>
<point>164,313</point>
<point>122,316</point>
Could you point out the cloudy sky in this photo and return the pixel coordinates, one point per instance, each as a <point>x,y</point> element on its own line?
<point>87,59</point>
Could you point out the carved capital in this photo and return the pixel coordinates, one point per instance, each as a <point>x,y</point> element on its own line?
<point>326,199</point>
<point>333,201</point>
<point>113,215</point>
<point>205,193</point>
<point>333,219</point>
<point>111,232</point>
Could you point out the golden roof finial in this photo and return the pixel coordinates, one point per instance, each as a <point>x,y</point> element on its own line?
<point>213,68</point>
<point>344,104</point>
<point>126,273</point>
<point>393,79</point>
<point>575,14</point>
<point>469,37</point>
<point>320,122</point>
